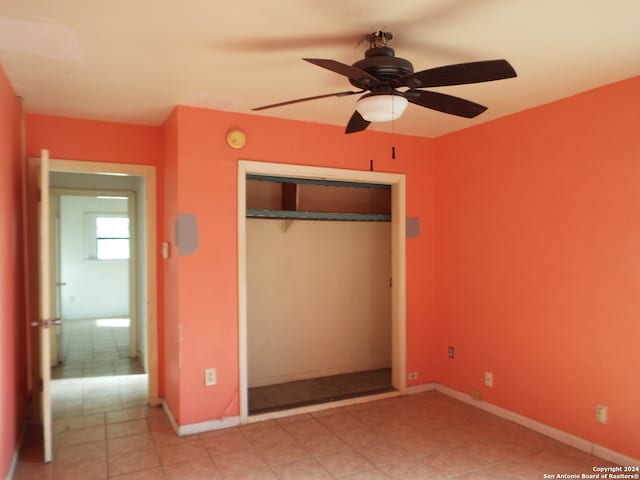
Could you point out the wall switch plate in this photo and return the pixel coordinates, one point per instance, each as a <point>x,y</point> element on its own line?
<point>210,377</point>
<point>602,414</point>
<point>488,379</point>
<point>413,375</point>
<point>451,353</point>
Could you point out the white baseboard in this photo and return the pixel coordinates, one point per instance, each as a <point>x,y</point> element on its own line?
<point>559,435</point>
<point>169,414</point>
<point>207,426</point>
<point>14,463</point>
<point>193,428</point>
<point>16,454</point>
<point>614,457</point>
<point>423,387</point>
<point>200,427</point>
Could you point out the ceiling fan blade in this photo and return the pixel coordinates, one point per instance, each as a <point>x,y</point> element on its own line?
<point>362,78</point>
<point>306,99</point>
<point>356,123</point>
<point>460,73</point>
<point>444,103</point>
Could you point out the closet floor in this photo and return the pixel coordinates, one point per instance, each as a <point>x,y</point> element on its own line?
<point>318,390</point>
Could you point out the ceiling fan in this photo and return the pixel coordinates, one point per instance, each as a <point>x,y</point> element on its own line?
<point>382,74</point>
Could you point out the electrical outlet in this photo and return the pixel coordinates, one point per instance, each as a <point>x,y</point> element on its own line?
<point>451,353</point>
<point>413,375</point>
<point>210,377</point>
<point>602,414</point>
<point>476,394</point>
<point>488,379</point>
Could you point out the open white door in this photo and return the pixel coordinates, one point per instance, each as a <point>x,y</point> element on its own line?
<point>45,322</point>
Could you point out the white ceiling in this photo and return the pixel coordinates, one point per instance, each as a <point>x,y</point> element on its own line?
<point>134,60</point>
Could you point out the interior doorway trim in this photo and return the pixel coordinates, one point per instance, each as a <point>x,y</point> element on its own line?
<point>148,173</point>
<point>398,259</point>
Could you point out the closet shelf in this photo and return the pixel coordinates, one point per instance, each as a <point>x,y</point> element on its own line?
<point>345,217</point>
<point>317,181</point>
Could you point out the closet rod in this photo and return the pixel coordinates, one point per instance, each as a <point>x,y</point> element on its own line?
<point>345,217</point>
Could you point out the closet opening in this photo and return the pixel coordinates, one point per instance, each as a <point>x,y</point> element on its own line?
<point>321,287</point>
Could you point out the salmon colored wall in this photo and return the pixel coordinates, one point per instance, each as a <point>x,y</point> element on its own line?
<point>13,373</point>
<point>92,140</point>
<point>205,311</point>
<point>538,263</point>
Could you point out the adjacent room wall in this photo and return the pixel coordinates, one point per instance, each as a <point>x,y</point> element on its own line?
<point>538,264</point>
<point>319,299</point>
<point>13,344</point>
<point>86,279</point>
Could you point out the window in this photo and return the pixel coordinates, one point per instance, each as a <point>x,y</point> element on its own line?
<point>112,238</point>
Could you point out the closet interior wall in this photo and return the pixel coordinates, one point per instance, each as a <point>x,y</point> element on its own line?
<point>318,291</point>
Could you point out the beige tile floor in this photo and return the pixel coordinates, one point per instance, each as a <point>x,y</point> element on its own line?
<point>102,429</point>
<point>72,397</point>
<point>422,436</point>
<point>96,375</point>
<point>95,347</point>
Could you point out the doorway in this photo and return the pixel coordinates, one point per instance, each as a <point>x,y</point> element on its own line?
<point>398,306</point>
<point>104,284</point>
<point>94,246</point>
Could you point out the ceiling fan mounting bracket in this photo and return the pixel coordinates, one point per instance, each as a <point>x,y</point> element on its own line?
<point>379,52</point>
<point>377,39</point>
<point>382,63</point>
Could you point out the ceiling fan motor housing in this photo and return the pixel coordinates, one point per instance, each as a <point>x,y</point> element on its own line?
<point>382,63</point>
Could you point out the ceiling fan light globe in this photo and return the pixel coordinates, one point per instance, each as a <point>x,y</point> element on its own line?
<point>381,108</point>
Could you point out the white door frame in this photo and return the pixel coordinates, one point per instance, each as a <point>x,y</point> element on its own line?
<point>398,260</point>
<point>148,172</point>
